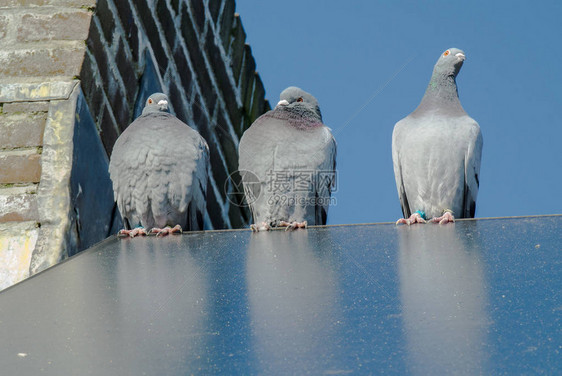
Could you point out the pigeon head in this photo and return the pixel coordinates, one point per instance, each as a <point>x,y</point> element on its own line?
<point>298,101</point>
<point>450,62</point>
<point>441,93</point>
<point>157,102</point>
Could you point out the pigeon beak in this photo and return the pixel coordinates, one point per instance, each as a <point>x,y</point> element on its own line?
<point>461,56</point>
<point>163,104</point>
<point>283,102</point>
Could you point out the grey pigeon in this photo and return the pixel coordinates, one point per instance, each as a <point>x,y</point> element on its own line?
<point>287,160</point>
<point>436,151</point>
<point>159,170</point>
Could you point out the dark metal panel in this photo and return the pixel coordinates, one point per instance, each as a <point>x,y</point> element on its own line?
<point>94,214</point>
<point>474,297</point>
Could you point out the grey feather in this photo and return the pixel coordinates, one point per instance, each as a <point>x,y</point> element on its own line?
<point>159,169</point>
<point>293,154</point>
<point>437,149</point>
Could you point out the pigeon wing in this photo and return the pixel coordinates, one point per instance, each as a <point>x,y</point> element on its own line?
<point>256,160</point>
<point>472,170</point>
<point>325,179</point>
<point>397,140</point>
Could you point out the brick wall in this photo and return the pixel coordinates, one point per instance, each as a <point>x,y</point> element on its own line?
<point>193,50</point>
<point>73,75</point>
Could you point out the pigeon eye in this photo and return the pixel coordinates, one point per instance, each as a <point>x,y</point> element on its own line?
<point>446,53</point>
<point>150,101</point>
<point>299,100</point>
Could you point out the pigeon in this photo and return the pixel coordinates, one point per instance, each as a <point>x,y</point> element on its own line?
<point>287,161</point>
<point>159,169</point>
<point>436,151</point>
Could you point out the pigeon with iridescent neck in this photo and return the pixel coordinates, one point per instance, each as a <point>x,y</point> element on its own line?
<point>436,151</point>
<point>287,160</point>
<point>159,168</point>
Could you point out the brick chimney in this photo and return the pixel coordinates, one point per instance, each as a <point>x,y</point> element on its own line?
<point>73,75</point>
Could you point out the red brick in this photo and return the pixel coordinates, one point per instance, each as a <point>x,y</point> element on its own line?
<point>70,3</point>
<point>42,62</point>
<point>57,26</point>
<point>20,168</point>
<point>18,207</point>
<point>22,130</point>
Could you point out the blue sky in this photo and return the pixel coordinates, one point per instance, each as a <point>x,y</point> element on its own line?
<point>368,64</point>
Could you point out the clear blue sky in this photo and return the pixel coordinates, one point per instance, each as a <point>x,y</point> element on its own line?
<point>369,62</point>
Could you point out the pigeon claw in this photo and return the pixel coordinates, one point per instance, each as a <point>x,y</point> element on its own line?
<point>257,227</point>
<point>414,218</point>
<point>165,231</point>
<point>139,231</point>
<point>293,225</point>
<point>447,217</point>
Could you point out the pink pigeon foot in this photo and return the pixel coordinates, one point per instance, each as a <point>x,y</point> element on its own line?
<point>139,231</point>
<point>257,227</point>
<point>445,218</point>
<point>414,218</point>
<point>166,230</point>
<point>293,225</point>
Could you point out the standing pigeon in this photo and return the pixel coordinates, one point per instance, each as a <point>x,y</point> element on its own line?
<point>287,161</point>
<point>159,169</point>
<point>436,151</point>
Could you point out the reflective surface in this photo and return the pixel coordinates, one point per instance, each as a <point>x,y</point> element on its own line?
<point>474,297</point>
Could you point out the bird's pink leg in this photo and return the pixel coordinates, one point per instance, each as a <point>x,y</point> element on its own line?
<point>257,227</point>
<point>445,218</point>
<point>293,225</point>
<point>166,230</point>
<point>414,218</point>
<point>132,233</point>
